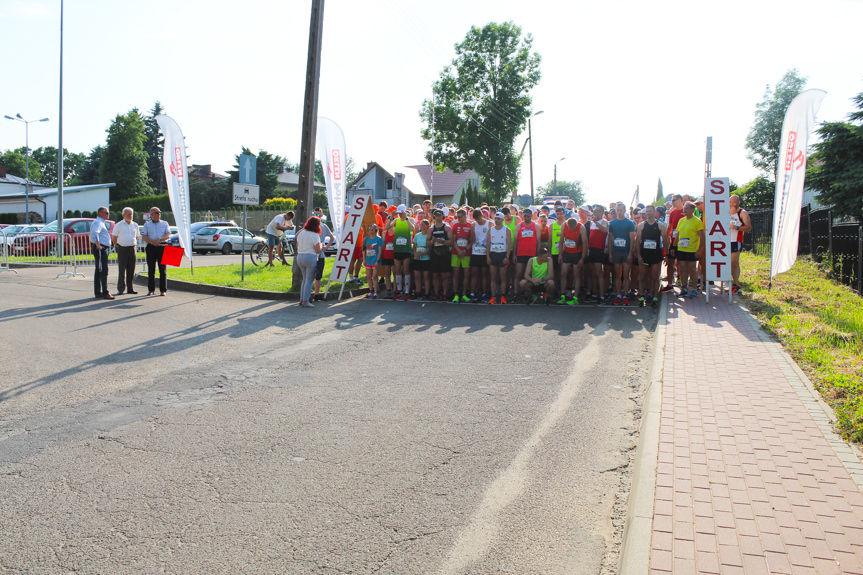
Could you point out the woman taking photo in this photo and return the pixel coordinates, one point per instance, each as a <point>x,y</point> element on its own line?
<point>308,247</point>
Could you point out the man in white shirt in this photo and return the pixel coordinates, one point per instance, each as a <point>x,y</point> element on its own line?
<point>277,226</point>
<point>125,238</point>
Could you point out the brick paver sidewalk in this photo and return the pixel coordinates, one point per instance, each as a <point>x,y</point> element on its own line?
<point>747,480</point>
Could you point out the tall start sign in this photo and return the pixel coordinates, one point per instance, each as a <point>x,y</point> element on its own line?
<point>360,213</point>
<point>717,230</point>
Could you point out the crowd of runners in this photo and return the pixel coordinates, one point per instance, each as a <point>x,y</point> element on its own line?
<point>556,253</point>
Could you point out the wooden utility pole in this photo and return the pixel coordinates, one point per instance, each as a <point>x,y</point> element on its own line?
<point>306,189</point>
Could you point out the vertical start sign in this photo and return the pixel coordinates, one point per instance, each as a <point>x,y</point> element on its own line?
<point>360,214</point>
<point>717,229</point>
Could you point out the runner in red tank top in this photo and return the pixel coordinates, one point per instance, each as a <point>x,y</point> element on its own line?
<point>526,244</point>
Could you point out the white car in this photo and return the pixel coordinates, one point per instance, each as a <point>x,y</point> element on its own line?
<point>9,233</point>
<point>225,239</point>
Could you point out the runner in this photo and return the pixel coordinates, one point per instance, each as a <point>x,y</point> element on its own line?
<point>538,276</point>
<point>499,257</point>
<point>478,258</point>
<point>650,243</point>
<point>555,233</point>
<point>689,239</point>
<point>597,230</point>
<point>422,261</point>
<point>740,223</point>
<point>385,266</point>
<point>673,215</point>
<point>372,247</point>
<point>461,230</point>
<point>403,229</point>
<point>441,238</point>
<point>526,246</point>
<point>621,245</point>
<point>571,247</point>
<point>511,221</point>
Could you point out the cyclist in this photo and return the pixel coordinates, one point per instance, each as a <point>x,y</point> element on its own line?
<point>277,226</point>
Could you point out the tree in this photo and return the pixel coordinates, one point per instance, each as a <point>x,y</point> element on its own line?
<point>765,135</point>
<point>153,146</point>
<point>472,196</point>
<point>124,161</point>
<point>266,172</point>
<point>574,190</point>
<point>16,164</point>
<point>836,167</point>
<point>758,192</point>
<point>89,172</point>
<point>482,103</point>
<point>47,159</point>
<point>207,195</point>
<point>660,197</point>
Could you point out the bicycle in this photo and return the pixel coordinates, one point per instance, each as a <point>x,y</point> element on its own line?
<point>259,253</point>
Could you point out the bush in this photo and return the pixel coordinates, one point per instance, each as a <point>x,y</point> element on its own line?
<point>8,218</point>
<point>143,204</point>
<point>280,204</point>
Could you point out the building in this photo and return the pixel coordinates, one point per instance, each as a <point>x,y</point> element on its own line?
<point>290,182</point>
<point>412,184</point>
<point>43,200</point>
<point>205,173</point>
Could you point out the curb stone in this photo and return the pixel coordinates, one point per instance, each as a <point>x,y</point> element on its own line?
<point>209,289</point>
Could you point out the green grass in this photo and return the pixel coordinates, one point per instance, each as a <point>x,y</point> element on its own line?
<point>820,323</point>
<point>275,279</point>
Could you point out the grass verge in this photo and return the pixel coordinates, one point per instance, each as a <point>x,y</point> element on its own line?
<point>259,278</point>
<point>820,323</point>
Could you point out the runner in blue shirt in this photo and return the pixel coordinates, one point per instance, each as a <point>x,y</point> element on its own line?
<point>621,243</point>
<point>373,245</point>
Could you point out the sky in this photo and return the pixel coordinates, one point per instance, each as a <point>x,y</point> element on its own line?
<point>630,90</point>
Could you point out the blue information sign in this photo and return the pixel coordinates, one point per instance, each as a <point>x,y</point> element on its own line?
<point>248,169</point>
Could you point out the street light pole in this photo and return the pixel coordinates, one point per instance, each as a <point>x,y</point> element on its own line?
<point>530,152</point>
<point>27,123</point>
<point>555,175</point>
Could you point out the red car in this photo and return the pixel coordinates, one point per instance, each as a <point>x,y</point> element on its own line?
<point>45,242</point>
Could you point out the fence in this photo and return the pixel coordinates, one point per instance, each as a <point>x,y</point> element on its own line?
<point>839,244</point>
<point>70,251</point>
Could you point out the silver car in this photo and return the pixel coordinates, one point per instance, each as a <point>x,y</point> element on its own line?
<point>11,231</point>
<point>224,239</point>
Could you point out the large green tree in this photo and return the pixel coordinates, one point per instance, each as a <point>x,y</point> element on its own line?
<point>89,171</point>
<point>765,136</point>
<point>759,191</point>
<point>482,103</point>
<point>153,146</point>
<point>266,172</point>
<point>47,159</point>
<point>836,167</point>
<point>16,164</point>
<point>574,190</point>
<point>124,161</point>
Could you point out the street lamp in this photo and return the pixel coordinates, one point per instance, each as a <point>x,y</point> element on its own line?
<point>26,161</point>
<point>530,151</point>
<point>555,175</point>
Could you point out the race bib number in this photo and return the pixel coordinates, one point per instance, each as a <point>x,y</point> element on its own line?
<point>650,244</point>
<point>461,242</point>
<point>498,248</point>
<point>620,242</point>
<point>478,250</point>
<point>527,233</point>
<point>371,252</point>
<point>389,246</point>
<point>735,221</point>
<point>684,242</point>
<point>401,241</point>
<point>421,250</point>
<point>674,234</point>
<point>569,244</point>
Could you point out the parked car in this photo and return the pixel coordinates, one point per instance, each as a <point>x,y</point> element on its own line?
<point>9,233</point>
<point>174,240</point>
<point>142,244</point>
<point>45,243</point>
<point>224,239</point>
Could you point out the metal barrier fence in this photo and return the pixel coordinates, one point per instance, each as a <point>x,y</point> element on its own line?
<point>70,251</point>
<point>839,244</point>
<point>4,254</point>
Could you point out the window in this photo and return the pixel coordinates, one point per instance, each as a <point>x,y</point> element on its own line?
<point>80,227</point>
<point>389,184</point>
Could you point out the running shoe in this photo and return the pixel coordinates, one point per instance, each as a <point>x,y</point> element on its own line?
<point>625,300</point>
<point>492,301</point>
<point>667,287</point>
<point>397,296</point>
<point>683,292</point>
<point>617,301</point>
<point>502,299</point>
<point>388,295</point>
<point>485,298</point>
<point>573,301</point>
<point>653,304</point>
<point>533,299</point>
<point>375,295</point>
<point>735,289</point>
<point>693,294</point>
<point>455,299</point>
<point>370,295</point>
<point>600,300</point>
<point>466,299</point>
<point>562,299</point>
<point>649,298</point>
<point>435,297</point>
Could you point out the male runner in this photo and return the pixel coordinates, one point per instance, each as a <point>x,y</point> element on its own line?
<point>499,256</point>
<point>689,240</point>
<point>461,230</point>
<point>649,243</point>
<point>740,223</point>
<point>422,261</point>
<point>526,244</point>
<point>597,233</point>
<point>555,233</point>
<point>441,241</point>
<point>478,257</point>
<point>538,276</point>
<point>621,245</point>
<point>673,215</point>
<point>572,243</point>
<point>403,229</point>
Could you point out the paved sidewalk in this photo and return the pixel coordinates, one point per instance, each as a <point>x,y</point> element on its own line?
<point>749,478</point>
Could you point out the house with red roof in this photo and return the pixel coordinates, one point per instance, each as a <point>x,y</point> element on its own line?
<point>412,184</point>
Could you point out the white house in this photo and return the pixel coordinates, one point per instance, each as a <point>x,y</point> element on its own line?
<point>43,201</point>
<point>412,184</point>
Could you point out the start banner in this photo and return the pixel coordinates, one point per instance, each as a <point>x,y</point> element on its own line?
<point>717,236</point>
<point>360,213</point>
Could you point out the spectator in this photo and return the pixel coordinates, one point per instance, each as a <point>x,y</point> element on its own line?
<point>309,245</point>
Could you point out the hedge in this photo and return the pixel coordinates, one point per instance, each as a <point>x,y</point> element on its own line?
<point>9,218</point>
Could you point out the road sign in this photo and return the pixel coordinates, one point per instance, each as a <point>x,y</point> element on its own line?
<point>248,170</point>
<point>246,195</point>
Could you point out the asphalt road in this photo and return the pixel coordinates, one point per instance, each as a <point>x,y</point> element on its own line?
<point>200,434</point>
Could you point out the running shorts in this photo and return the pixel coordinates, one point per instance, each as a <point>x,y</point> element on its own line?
<point>651,257</point>
<point>401,255</point>
<point>595,256</point>
<point>686,257</point>
<point>319,270</point>
<point>387,261</point>
<point>460,261</point>
<point>478,262</point>
<point>440,264</point>
<point>522,259</point>
<point>571,258</point>
<point>618,258</point>
<point>498,259</point>
<point>736,247</point>
<point>421,265</point>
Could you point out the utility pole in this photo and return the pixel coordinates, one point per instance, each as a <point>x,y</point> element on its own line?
<point>306,187</point>
<point>530,153</point>
<point>708,159</point>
